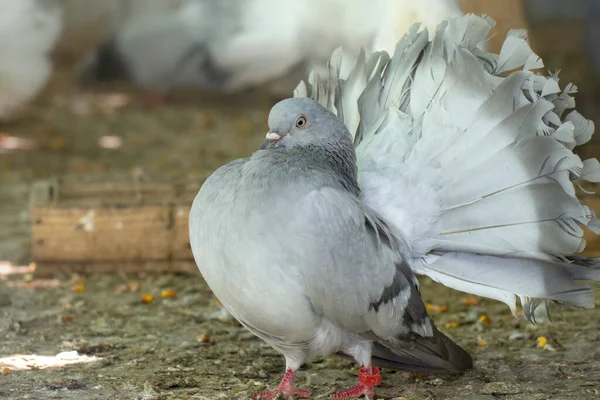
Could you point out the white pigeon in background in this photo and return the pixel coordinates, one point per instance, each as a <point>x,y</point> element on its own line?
<point>28,31</point>
<point>434,161</point>
<point>87,23</point>
<point>230,45</point>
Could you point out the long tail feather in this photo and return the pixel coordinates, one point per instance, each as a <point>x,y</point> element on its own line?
<point>472,163</point>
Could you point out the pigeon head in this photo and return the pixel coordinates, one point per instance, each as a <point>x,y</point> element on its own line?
<point>302,122</point>
<point>303,127</point>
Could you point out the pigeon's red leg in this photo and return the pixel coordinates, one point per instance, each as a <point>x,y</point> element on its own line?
<point>368,378</point>
<point>286,387</point>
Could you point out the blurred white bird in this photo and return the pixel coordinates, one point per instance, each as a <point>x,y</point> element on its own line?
<point>89,22</point>
<point>230,45</point>
<point>29,30</point>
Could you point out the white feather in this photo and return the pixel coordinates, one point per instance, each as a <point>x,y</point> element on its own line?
<point>252,42</point>
<point>474,169</point>
<point>29,30</point>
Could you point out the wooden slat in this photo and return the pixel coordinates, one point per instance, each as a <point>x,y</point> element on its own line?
<point>109,226</point>
<point>61,194</point>
<point>102,233</point>
<point>181,239</point>
<point>48,269</point>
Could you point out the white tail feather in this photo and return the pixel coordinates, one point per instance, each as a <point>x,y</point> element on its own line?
<point>473,168</point>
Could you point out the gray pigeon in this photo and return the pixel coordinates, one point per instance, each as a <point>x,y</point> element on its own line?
<point>433,162</point>
<point>315,270</point>
<point>230,45</point>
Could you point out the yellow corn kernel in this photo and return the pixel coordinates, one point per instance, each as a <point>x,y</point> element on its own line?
<point>541,342</point>
<point>147,298</point>
<point>452,325</point>
<point>204,338</point>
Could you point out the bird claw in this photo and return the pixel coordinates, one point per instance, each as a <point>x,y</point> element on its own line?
<point>286,389</point>
<point>369,377</point>
<point>355,393</point>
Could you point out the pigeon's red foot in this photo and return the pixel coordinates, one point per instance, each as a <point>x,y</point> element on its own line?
<point>286,387</point>
<point>368,378</point>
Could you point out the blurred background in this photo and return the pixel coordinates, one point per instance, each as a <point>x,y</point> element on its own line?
<point>111,115</point>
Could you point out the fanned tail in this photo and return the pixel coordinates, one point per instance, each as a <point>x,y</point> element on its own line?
<point>469,156</point>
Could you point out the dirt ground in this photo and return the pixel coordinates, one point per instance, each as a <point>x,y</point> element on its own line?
<point>177,347</point>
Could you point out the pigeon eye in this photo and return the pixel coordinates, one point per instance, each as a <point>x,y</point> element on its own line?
<point>301,122</point>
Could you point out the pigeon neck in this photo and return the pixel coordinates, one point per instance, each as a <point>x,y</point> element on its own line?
<point>341,162</point>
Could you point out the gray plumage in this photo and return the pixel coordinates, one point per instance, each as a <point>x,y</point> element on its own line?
<point>312,269</point>
<point>430,162</point>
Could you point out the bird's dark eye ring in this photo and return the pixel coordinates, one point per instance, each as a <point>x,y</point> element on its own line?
<point>301,122</point>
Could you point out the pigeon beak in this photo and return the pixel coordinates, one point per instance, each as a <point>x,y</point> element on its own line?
<point>271,140</point>
<point>273,136</point>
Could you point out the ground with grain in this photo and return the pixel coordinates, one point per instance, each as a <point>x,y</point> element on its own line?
<point>177,347</point>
